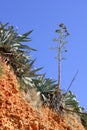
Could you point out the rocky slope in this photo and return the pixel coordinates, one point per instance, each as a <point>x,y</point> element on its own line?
<point>17,114</point>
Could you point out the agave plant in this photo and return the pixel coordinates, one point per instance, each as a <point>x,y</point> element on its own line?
<point>17,54</point>
<point>84,119</point>
<point>46,84</point>
<point>72,102</point>
<point>47,87</point>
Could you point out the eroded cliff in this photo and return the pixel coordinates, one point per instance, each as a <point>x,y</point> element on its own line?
<point>17,114</point>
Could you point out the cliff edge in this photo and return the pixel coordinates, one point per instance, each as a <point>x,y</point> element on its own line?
<point>17,114</point>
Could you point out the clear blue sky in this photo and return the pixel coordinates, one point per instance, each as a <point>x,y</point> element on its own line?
<point>44,16</point>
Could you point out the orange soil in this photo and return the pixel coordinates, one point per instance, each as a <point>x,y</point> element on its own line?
<point>17,114</point>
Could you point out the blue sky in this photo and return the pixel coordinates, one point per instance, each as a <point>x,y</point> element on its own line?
<point>44,16</point>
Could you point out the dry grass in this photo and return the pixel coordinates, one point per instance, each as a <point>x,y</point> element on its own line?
<point>2,71</point>
<point>33,97</point>
<point>73,120</point>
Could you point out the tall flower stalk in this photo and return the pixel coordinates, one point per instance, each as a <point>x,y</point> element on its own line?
<point>62,34</point>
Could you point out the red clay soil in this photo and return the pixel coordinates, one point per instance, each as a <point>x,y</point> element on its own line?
<point>17,114</point>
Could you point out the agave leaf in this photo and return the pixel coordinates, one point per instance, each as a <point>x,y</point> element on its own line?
<point>26,40</point>
<point>26,47</point>
<point>46,85</point>
<point>27,33</point>
<point>23,37</point>
<point>31,63</point>
<point>28,81</point>
<point>35,70</point>
<point>3,25</point>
